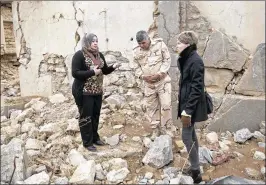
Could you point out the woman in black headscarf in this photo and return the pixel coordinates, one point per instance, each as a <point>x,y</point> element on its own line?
<point>88,68</point>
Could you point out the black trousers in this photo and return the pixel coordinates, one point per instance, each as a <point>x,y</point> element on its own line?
<point>89,119</point>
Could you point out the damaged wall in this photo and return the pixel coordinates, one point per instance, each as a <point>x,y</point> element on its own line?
<point>231,70</point>
<point>233,73</point>
<point>242,20</point>
<point>9,64</point>
<point>58,33</point>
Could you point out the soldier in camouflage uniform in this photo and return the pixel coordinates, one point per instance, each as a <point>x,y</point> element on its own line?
<point>151,63</point>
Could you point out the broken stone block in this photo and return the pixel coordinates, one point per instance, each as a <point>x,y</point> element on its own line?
<point>84,174</point>
<point>8,153</point>
<point>73,125</point>
<point>147,142</point>
<point>234,114</point>
<point>252,173</point>
<point>223,146</point>
<point>49,128</point>
<point>259,155</point>
<point>148,175</point>
<point>136,139</point>
<point>222,52</point>
<point>182,179</point>
<point>258,135</point>
<point>118,126</point>
<point>172,172</point>
<point>117,176</point>
<point>113,141</point>
<point>205,155</point>
<point>26,127</point>
<point>217,83</point>
<point>40,169</point>
<point>15,114</point>
<point>57,98</point>
<point>212,137</point>
<point>261,144</point>
<point>253,80</point>
<point>27,113</point>
<point>116,101</point>
<point>33,144</point>
<point>40,178</point>
<point>179,144</point>
<point>117,163</point>
<point>61,180</point>
<point>160,152</point>
<point>75,158</point>
<point>262,170</point>
<point>241,136</point>
<point>3,119</point>
<point>100,175</point>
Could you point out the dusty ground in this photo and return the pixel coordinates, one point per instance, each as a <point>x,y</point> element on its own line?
<point>235,166</point>
<point>133,126</point>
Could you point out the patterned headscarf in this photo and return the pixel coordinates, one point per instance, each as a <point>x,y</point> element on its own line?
<point>89,52</point>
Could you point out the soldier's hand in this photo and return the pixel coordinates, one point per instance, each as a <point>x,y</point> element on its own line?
<point>146,78</point>
<point>186,121</point>
<point>155,77</point>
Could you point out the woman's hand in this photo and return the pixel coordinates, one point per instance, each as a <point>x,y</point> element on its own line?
<point>186,121</point>
<point>116,65</point>
<point>97,71</point>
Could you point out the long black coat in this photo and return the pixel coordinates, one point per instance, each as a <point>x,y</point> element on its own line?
<point>191,96</point>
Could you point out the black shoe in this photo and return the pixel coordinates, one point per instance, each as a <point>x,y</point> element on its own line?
<point>99,142</point>
<point>196,176</point>
<point>91,148</point>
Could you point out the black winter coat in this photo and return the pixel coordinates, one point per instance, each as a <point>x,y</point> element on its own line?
<point>81,73</point>
<point>191,96</point>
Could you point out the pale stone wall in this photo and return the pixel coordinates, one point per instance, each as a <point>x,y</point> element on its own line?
<point>241,20</point>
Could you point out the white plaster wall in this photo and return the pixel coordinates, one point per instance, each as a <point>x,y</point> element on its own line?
<point>45,32</point>
<point>243,19</point>
<point>123,20</point>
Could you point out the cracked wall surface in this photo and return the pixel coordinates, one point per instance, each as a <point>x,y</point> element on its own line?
<point>9,64</point>
<point>242,20</point>
<point>234,69</point>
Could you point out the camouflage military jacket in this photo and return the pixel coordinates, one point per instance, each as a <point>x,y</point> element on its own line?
<point>152,61</point>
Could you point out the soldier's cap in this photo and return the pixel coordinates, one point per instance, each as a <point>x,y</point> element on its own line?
<point>188,37</point>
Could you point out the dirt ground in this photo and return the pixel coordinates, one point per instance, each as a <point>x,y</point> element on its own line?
<point>235,166</point>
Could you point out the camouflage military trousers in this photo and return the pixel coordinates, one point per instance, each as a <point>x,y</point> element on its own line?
<point>158,103</point>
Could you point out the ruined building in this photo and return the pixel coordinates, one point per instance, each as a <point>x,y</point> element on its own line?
<point>44,38</point>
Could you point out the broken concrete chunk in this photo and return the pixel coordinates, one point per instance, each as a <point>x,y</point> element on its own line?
<point>212,137</point>
<point>73,125</point>
<point>113,141</point>
<point>40,178</point>
<point>117,176</point>
<point>33,144</point>
<point>160,152</point>
<point>75,158</point>
<point>259,155</point>
<point>57,98</point>
<point>8,153</point>
<point>117,163</point>
<point>84,174</point>
<point>61,180</point>
<point>241,136</point>
<point>100,175</point>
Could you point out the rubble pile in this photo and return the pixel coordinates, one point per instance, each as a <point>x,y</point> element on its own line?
<point>44,142</point>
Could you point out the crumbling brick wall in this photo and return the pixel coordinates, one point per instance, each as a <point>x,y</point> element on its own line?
<point>9,64</point>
